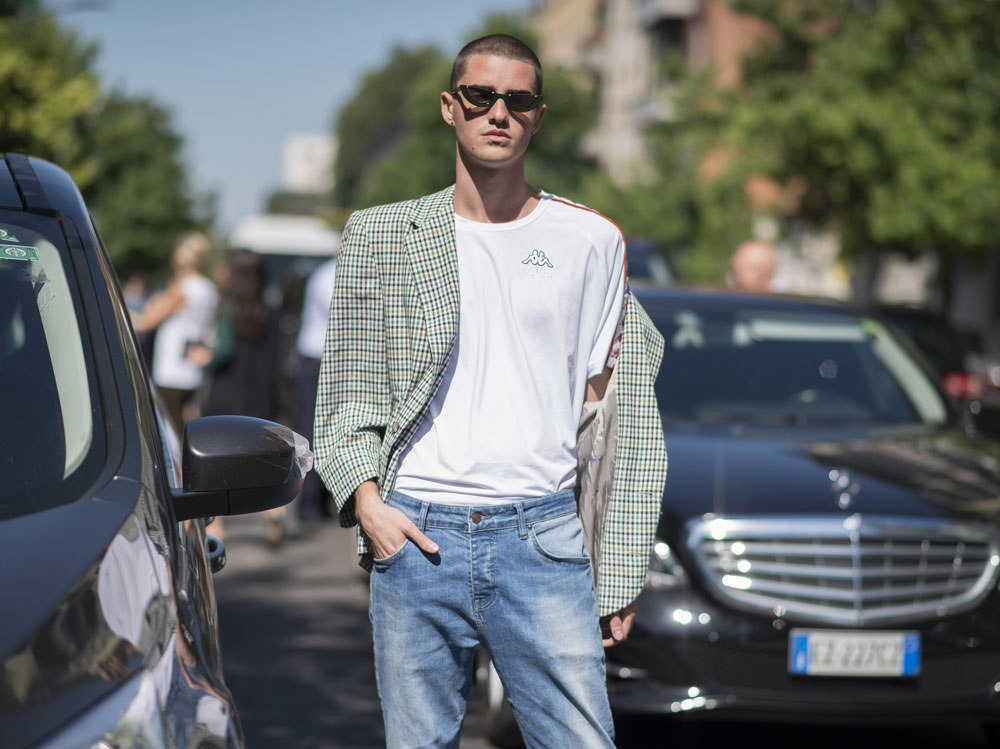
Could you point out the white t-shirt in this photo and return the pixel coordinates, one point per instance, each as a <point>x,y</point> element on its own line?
<point>316,309</point>
<point>540,313</point>
<point>190,323</point>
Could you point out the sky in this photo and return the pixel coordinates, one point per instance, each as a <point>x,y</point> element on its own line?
<point>239,76</point>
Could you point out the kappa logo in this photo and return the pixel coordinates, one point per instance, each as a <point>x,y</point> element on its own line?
<point>537,257</point>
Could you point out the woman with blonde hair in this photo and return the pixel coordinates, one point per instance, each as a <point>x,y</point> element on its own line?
<point>182,314</point>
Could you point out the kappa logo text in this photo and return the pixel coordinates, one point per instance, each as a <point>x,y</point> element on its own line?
<point>537,257</point>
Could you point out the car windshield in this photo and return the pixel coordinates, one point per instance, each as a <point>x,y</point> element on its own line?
<point>47,395</point>
<point>727,364</point>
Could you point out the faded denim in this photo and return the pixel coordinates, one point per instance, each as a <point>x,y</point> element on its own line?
<point>518,582</point>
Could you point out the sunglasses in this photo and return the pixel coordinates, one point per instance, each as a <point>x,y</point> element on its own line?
<point>485,96</point>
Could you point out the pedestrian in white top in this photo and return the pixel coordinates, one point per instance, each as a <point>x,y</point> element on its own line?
<point>314,500</point>
<point>181,314</point>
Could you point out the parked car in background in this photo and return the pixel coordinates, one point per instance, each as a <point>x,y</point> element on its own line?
<point>959,359</point>
<point>109,636</point>
<point>829,546</point>
<point>647,264</point>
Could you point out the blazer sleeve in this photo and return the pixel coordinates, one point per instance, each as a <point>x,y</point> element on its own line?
<point>640,471</point>
<point>353,400</point>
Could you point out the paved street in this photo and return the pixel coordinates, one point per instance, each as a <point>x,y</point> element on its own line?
<point>297,652</point>
<point>296,640</point>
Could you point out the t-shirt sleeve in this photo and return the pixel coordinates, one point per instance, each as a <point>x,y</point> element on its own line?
<point>607,342</point>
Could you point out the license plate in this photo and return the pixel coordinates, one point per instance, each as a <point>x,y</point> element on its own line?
<point>835,652</point>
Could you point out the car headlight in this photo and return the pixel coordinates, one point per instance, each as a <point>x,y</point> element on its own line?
<point>128,717</point>
<point>665,570</point>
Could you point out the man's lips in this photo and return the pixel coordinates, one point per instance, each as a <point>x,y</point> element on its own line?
<point>499,134</point>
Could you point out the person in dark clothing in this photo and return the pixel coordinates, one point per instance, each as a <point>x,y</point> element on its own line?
<point>241,362</point>
<point>241,375</point>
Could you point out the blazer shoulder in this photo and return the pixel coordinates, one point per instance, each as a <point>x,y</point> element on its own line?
<point>384,215</point>
<point>404,212</point>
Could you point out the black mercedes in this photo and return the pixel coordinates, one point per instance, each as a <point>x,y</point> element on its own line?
<point>829,545</point>
<point>108,633</point>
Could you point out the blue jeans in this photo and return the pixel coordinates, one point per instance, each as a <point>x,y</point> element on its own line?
<point>514,578</point>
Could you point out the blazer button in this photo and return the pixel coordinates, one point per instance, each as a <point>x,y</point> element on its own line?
<point>476,517</point>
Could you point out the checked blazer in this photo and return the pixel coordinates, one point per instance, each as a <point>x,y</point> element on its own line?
<point>393,324</point>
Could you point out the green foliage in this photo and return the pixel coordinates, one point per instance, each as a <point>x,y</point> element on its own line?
<point>888,111</point>
<point>555,162</point>
<point>139,196</point>
<point>421,160</point>
<point>46,89</point>
<point>377,118</point>
<point>13,7</point>
<point>122,152</point>
<point>697,216</point>
<point>505,23</point>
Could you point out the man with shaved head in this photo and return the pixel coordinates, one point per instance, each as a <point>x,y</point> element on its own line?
<point>474,336</point>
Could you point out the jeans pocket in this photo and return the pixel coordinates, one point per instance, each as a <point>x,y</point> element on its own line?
<point>560,539</point>
<point>386,562</point>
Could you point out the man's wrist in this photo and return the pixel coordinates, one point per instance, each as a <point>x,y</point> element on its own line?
<point>364,498</point>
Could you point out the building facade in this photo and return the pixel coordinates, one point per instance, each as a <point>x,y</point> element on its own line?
<point>623,44</point>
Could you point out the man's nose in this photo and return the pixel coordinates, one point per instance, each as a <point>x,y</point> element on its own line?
<point>499,112</point>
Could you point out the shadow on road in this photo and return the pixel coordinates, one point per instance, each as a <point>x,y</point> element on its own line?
<point>296,646</point>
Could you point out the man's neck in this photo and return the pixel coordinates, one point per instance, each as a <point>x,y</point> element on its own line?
<point>493,196</point>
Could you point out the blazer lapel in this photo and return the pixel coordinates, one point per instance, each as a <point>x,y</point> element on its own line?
<point>430,248</point>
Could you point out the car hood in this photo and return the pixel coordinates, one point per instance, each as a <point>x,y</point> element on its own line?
<point>909,472</point>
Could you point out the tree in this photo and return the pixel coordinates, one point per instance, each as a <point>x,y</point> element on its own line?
<point>692,200</point>
<point>140,195</point>
<point>122,152</point>
<point>422,158</point>
<point>885,114</point>
<point>46,89</point>
<point>376,118</point>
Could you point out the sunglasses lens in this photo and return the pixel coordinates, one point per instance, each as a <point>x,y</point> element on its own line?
<point>521,102</point>
<point>478,95</point>
<point>484,96</point>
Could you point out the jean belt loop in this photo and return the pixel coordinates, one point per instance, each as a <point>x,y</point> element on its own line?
<point>522,525</point>
<point>422,520</point>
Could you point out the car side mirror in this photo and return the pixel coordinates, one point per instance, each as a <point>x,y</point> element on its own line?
<point>234,465</point>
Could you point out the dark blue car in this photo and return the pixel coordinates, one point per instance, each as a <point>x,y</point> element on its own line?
<point>109,635</point>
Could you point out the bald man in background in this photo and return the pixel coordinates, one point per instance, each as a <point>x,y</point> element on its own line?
<point>752,267</point>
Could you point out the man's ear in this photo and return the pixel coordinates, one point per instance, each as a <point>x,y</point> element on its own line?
<point>447,113</point>
<point>538,119</point>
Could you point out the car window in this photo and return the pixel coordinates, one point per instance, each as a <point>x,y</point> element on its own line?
<point>647,264</point>
<point>773,367</point>
<point>50,425</point>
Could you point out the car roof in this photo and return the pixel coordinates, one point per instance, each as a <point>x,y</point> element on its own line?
<point>9,196</point>
<point>651,296</point>
<point>35,185</point>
